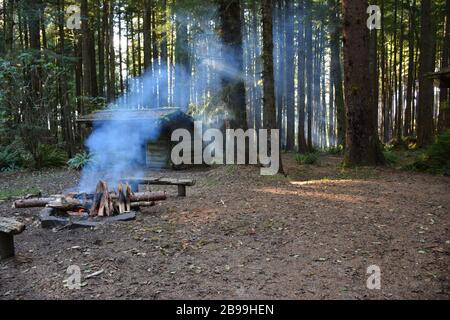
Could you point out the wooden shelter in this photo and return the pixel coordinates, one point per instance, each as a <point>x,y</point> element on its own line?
<point>157,151</point>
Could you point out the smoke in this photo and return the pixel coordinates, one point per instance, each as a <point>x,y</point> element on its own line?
<point>118,145</point>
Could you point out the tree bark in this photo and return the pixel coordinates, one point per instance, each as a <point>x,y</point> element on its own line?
<point>407,127</point>
<point>233,90</point>
<point>147,34</point>
<point>362,144</point>
<point>426,94</point>
<point>182,66</point>
<point>112,55</point>
<point>444,93</point>
<point>290,94</point>
<point>270,114</point>
<point>88,61</point>
<point>302,147</point>
<point>309,69</point>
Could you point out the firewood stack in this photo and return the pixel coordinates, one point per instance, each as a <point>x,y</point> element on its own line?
<point>102,203</point>
<point>123,203</point>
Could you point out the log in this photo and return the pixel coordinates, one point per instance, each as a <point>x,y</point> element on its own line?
<point>73,210</point>
<point>33,202</point>
<point>137,205</point>
<point>148,196</point>
<point>67,204</point>
<point>77,204</point>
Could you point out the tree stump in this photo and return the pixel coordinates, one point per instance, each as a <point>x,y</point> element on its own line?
<point>8,228</point>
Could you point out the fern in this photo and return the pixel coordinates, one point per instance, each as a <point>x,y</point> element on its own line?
<point>80,160</point>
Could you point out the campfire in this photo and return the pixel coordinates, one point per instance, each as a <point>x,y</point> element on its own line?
<point>102,204</point>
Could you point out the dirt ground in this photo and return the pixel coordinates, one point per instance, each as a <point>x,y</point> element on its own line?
<point>240,235</point>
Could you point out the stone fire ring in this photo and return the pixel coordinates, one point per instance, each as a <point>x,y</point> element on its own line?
<point>49,219</point>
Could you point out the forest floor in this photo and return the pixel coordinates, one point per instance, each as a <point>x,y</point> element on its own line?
<point>240,235</point>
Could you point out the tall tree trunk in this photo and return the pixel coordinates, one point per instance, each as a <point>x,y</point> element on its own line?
<point>66,123</point>
<point>270,114</point>
<point>374,84</point>
<point>290,94</point>
<point>35,115</point>
<point>112,56</point>
<point>147,34</point>
<point>426,95</point>
<point>399,112</point>
<point>8,25</point>
<point>280,66</point>
<point>394,106</point>
<point>233,90</point>
<point>362,144</point>
<point>309,69</point>
<point>155,56</point>
<point>407,127</point>
<point>316,88</point>
<point>444,93</point>
<point>90,88</point>
<point>302,147</point>
<point>384,78</point>
<point>121,80</point>
<point>102,25</point>
<point>182,66</point>
<point>257,68</point>
<point>163,85</point>
<point>78,82</point>
<point>336,69</point>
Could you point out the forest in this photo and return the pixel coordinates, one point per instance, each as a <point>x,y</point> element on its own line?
<point>359,93</point>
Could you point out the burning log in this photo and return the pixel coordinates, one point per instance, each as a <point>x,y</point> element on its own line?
<point>120,203</point>
<point>128,194</point>
<point>102,204</point>
<point>66,204</point>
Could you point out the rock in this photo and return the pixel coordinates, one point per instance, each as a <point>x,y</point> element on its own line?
<point>49,220</point>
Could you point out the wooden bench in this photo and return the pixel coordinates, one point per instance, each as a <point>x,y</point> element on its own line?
<point>181,183</point>
<point>8,228</point>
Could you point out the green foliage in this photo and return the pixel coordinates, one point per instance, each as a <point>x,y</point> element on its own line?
<point>307,158</point>
<point>335,150</point>
<point>13,156</point>
<point>436,158</point>
<point>391,157</point>
<point>8,194</point>
<point>9,158</point>
<point>439,152</point>
<point>80,160</point>
<point>388,147</point>
<point>50,156</point>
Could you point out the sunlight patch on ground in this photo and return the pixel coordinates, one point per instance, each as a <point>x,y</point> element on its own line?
<point>323,181</point>
<point>319,195</point>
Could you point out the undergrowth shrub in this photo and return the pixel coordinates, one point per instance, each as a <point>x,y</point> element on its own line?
<point>50,156</point>
<point>391,157</point>
<point>307,158</point>
<point>335,150</point>
<point>80,160</point>
<point>14,157</point>
<point>436,158</point>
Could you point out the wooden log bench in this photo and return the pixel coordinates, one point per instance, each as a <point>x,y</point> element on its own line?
<point>8,229</point>
<point>181,183</point>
